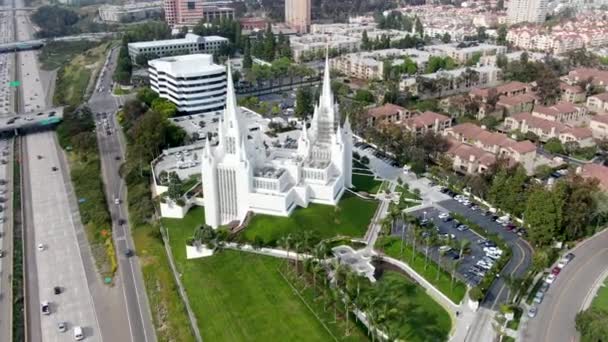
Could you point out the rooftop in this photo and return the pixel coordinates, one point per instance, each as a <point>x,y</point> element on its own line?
<point>385,110</point>
<point>188,39</point>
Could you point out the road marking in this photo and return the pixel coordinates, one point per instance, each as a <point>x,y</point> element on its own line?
<point>570,280</point>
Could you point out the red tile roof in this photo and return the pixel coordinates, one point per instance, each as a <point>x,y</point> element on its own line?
<point>425,119</point>
<point>536,122</point>
<point>602,97</point>
<point>579,132</point>
<point>600,118</point>
<point>385,110</point>
<point>598,172</point>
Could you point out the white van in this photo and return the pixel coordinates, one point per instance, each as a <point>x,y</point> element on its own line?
<point>78,335</point>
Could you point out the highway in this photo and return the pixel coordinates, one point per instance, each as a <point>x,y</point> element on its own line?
<point>112,152</point>
<point>567,295</point>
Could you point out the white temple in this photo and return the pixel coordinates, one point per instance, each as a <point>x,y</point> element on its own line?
<point>241,174</point>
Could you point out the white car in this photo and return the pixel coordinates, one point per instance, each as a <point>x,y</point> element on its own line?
<point>550,279</point>
<point>443,215</point>
<point>40,247</point>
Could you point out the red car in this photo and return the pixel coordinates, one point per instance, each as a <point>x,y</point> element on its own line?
<point>555,271</point>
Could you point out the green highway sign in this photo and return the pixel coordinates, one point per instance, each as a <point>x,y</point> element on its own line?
<point>14,84</point>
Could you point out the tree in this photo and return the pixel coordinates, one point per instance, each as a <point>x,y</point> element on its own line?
<point>500,5</point>
<point>501,35</point>
<point>554,145</point>
<point>304,103</point>
<point>476,294</point>
<point>365,42</point>
<point>542,216</point>
<point>547,86</point>
<point>446,38</point>
<point>247,60</point>
<point>593,324</point>
<point>418,27</point>
<point>363,95</point>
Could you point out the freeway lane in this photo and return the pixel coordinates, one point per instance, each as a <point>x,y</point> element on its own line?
<point>565,298</point>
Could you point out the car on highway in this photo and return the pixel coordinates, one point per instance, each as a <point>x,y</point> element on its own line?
<point>62,326</point>
<point>57,290</point>
<point>550,278</point>
<point>117,201</point>
<point>45,308</point>
<point>129,253</point>
<point>532,312</point>
<point>40,247</point>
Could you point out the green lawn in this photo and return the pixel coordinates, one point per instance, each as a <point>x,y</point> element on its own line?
<point>415,315</point>
<point>350,218</point>
<point>433,273</point>
<point>601,299</point>
<point>238,296</point>
<point>55,54</point>
<point>366,183</point>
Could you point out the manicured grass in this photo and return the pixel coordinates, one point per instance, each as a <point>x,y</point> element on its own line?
<point>168,311</point>
<point>413,314</point>
<point>350,218</point>
<point>366,183</point>
<point>407,193</point>
<point>238,296</point>
<point>434,274</point>
<point>601,299</point>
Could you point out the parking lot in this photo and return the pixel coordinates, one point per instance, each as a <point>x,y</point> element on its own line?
<point>451,233</point>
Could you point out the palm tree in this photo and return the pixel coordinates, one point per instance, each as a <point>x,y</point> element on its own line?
<point>297,246</point>
<point>453,266</point>
<point>320,250</point>
<point>316,269</point>
<point>347,303</point>
<point>335,298</point>
<point>464,244</point>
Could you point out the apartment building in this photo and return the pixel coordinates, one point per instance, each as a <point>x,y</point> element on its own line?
<point>572,93</point>
<point>190,12</point>
<point>190,44</point>
<point>598,103</point>
<point>427,122</point>
<point>598,78</point>
<point>297,14</point>
<point>562,112</point>
<point>313,44</point>
<point>498,144</point>
<point>599,126</point>
<point>369,65</point>
<point>531,11</point>
<point>450,82</point>
<point>546,129</point>
<point>387,114</point>
<point>192,82</point>
<point>462,52</point>
<point>517,103</point>
<point>130,12</point>
<point>508,89</point>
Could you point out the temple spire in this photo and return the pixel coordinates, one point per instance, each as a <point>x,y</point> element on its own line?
<point>326,94</point>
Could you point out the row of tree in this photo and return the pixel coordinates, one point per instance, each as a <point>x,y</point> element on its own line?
<point>384,42</point>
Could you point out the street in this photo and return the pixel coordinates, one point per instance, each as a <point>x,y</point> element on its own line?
<point>112,153</point>
<point>568,293</point>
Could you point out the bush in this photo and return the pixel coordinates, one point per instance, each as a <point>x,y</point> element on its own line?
<point>476,294</point>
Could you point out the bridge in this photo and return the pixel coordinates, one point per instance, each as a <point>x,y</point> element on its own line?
<point>4,9</point>
<point>36,44</point>
<point>17,123</point>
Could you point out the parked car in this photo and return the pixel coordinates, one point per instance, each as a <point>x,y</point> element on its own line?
<point>45,307</point>
<point>555,271</point>
<point>62,326</point>
<point>550,279</point>
<point>532,312</point>
<point>538,297</point>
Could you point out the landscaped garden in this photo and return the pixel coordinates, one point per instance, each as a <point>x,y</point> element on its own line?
<point>366,183</point>
<point>350,218</point>
<point>238,296</point>
<point>411,314</point>
<point>441,279</point>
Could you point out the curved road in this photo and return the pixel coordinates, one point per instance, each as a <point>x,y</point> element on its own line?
<point>566,296</point>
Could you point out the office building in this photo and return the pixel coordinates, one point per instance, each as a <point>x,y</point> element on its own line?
<point>183,12</point>
<point>297,14</point>
<point>130,12</point>
<point>241,175</point>
<point>190,44</point>
<point>192,82</point>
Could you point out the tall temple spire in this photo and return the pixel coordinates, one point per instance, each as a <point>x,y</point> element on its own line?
<point>231,104</point>
<point>326,94</point>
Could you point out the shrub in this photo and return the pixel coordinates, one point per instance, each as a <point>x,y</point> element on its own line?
<point>476,294</point>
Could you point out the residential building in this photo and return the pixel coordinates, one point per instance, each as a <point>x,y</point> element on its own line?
<point>255,23</point>
<point>598,78</point>
<point>190,44</point>
<point>468,158</point>
<point>241,175</point>
<point>451,82</point>
<point>387,114</point>
<point>531,11</point>
<point>192,82</point>
<point>427,122</point>
<point>595,171</point>
<point>509,89</point>
<point>130,12</point>
<point>297,14</point>
<point>517,103</point>
<point>308,45</point>
<point>599,126</point>
<point>547,129</point>
<point>369,65</point>
<point>572,93</point>
<point>598,103</point>
<point>462,52</point>
<point>498,144</point>
<point>563,112</point>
